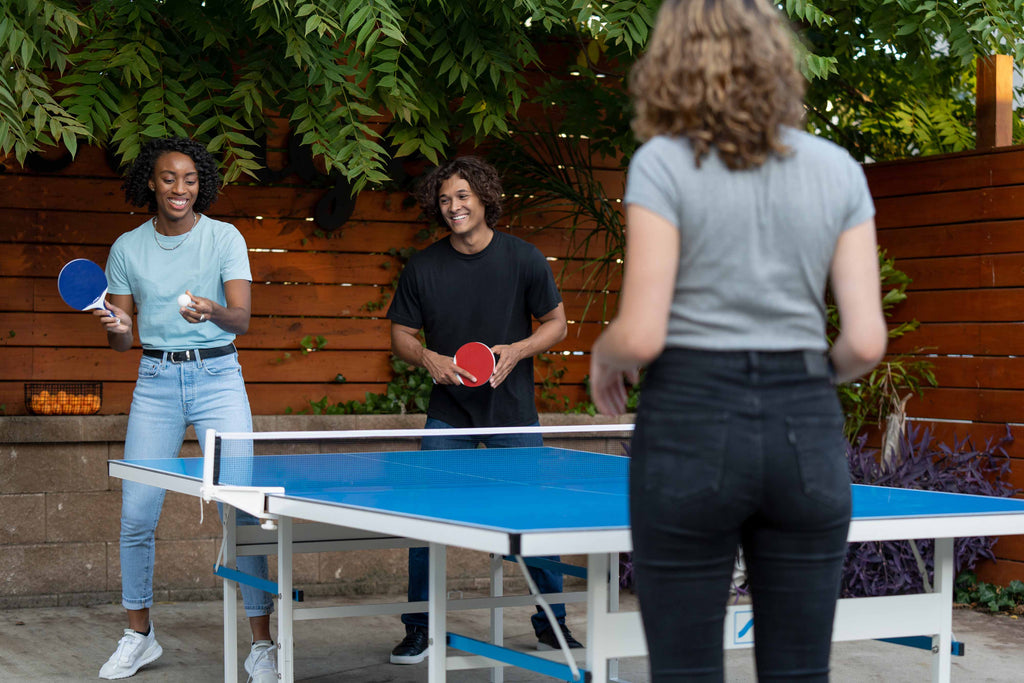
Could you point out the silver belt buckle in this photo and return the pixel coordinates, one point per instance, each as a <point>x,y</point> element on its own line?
<point>179,356</point>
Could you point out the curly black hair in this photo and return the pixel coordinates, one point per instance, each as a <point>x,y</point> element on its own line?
<point>483,179</point>
<point>136,182</point>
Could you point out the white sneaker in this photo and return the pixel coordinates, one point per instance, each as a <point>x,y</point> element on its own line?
<point>134,651</point>
<point>261,664</point>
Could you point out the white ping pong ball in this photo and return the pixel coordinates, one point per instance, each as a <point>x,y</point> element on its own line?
<point>184,300</point>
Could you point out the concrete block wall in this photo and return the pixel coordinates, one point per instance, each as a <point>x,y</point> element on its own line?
<point>60,520</point>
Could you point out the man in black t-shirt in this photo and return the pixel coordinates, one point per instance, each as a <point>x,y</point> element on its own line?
<point>479,285</point>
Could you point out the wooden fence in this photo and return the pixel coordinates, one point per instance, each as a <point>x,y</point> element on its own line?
<point>306,284</point>
<point>954,223</point>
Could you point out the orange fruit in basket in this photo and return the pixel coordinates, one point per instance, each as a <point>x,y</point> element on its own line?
<point>36,403</point>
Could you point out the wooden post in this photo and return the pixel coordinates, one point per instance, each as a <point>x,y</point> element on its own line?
<point>994,102</point>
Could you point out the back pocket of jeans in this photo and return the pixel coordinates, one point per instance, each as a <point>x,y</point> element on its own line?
<point>821,457</point>
<point>682,455</point>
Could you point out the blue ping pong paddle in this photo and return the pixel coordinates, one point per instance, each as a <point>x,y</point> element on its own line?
<point>83,285</point>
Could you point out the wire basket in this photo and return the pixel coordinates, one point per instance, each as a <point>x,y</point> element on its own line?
<point>63,398</point>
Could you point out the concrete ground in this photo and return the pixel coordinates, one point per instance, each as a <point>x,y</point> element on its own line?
<point>70,644</point>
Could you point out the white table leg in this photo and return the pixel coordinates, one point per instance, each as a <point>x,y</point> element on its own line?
<point>437,618</point>
<point>597,606</point>
<point>497,613</point>
<point>285,607</point>
<point>230,597</point>
<point>942,643</point>
<point>613,605</point>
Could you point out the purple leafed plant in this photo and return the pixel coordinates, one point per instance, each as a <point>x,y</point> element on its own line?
<point>890,567</point>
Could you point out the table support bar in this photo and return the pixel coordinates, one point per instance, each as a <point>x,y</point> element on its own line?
<point>551,565</point>
<point>254,581</point>
<point>512,657</point>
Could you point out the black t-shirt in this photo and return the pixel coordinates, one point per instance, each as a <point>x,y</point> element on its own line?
<point>490,297</point>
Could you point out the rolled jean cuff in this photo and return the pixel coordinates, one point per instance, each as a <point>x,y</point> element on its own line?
<point>144,603</point>
<point>259,610</point>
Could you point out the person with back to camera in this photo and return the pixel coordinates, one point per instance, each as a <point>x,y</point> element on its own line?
<point>736,219</point>
<point>188,373</point>
<point>477,284</point>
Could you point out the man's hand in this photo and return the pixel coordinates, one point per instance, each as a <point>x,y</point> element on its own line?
<point>442,368</point>
<point>508,355</point>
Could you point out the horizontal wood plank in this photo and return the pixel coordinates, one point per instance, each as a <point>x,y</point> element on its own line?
<point>962,305</point>
<point>70,329</point>
<point>961,206</point>
<point>1010,548</point>
<point>286,366</point>
<point>1002,572</point>
<point>965,272</point>
<point>981,339</point>
<point>928,175</point>
<point>294,267</point>
<point>97,231</point>
<point>302,300</point>
<point>982,237</point>
<point>982,372</point>
<point>977,405</point>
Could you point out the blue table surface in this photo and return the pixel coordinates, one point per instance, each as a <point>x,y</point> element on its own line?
<point>516,489</point>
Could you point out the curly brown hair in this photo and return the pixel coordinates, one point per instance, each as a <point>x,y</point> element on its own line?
<point>136,182</point>
<point>483,179</point>
<point>721,73</point>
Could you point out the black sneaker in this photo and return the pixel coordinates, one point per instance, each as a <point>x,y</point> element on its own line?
<point>413,648</point>
<point>547,640</point>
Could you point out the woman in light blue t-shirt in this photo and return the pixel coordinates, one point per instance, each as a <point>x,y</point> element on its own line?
<point>189,372</point>
<point>736,219</point>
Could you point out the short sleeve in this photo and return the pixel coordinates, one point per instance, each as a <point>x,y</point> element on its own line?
<point>860,206</point>
<point>542,295</point>
<point>648,182</point>
<point>117,270</point>
<point>235,264</point>
<point>405,308</point>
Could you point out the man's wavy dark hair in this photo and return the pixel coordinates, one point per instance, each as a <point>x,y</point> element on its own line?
<point>136,182</point>
<point>483,179</point>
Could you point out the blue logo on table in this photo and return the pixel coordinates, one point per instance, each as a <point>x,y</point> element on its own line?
<point>743,627</point>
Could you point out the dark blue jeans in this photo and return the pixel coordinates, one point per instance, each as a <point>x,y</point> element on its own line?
<point>739,448</point>
<point>547,581</point>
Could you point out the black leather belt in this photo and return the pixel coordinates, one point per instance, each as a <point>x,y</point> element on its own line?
<point>189,354</point>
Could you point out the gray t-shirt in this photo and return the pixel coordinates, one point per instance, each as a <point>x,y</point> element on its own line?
<point>755,245</point>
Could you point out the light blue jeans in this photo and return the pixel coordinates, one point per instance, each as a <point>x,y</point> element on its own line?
<point>207,394</point>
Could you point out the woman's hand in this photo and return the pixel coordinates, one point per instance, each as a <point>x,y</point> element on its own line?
<point>199,310</point>
<point>608,386</point>
<point>114,319</point>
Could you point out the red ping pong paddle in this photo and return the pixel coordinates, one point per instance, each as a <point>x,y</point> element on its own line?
<point>478,359</point>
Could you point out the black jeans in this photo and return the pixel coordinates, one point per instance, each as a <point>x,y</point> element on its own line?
<point>739,448</point>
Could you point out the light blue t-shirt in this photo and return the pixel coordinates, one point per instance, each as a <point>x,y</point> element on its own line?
<point>756,245</point>
<point>212,253</point>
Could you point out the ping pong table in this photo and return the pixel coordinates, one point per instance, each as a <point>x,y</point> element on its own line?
<point>577,506</point>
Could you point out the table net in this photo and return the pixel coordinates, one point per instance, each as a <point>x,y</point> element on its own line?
<point>369,459</point>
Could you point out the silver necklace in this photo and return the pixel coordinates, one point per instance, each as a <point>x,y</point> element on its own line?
<point>194,223</point>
